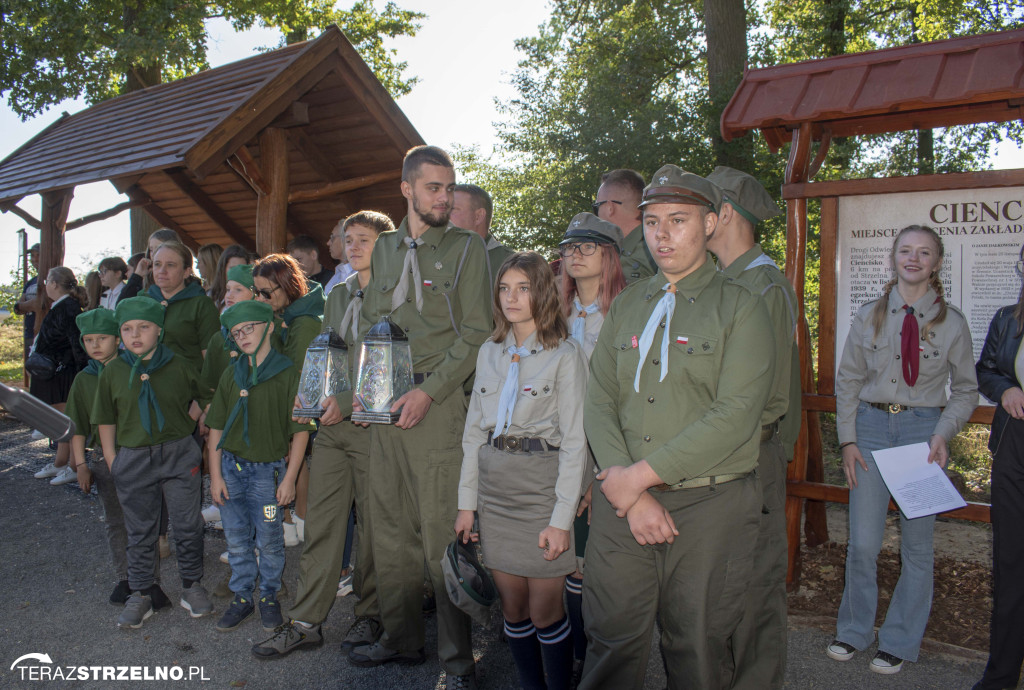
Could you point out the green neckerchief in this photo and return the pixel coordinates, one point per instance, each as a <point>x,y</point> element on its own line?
<point>310,304</point>
<point>93,368</point>
<point>189,291</point>
<point>161,356</point>
<point>245,378</point>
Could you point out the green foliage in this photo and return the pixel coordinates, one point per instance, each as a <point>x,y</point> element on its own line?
<point>54,50</point>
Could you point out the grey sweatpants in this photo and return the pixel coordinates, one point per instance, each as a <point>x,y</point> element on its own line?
<point>141,474</point>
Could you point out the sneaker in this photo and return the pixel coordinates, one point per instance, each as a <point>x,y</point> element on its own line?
<point>286,639</point>
<point>121,593</point>
<point>886,663</point>
<point>345,586</point>
<point>377,654</point>
<point>291,534</point>
<point>50,470</point>
<point>840,651</point>
<point>270,612</point>
<point>38,436</point>
<point>138,609</point>
<point>364,631</point>
<point>224,558</point>
<point>196,601</point>
<point>211,513</point>
<point>65,475</point>
<point>239,609</point>
<point>453,682</point>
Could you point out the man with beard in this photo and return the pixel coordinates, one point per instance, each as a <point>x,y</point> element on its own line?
<point>432,279</point>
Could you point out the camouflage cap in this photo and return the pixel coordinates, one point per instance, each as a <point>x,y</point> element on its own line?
<point>586,227</point>
<point>673,185</point>
<point>745,194</point>
<point>97,322</point>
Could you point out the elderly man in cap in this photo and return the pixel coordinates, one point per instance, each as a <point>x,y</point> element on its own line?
<point>682,369</point>
<point>760,642</point>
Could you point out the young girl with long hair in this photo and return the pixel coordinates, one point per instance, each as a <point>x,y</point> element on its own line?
<point>902,350</point>
<point>524,459</point>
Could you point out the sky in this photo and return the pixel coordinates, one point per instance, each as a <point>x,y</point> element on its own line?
<point>464,56</point>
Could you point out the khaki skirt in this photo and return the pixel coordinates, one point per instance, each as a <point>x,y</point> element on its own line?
<point>515,498</point>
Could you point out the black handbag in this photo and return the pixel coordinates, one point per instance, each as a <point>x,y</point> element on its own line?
<point>40,366</point>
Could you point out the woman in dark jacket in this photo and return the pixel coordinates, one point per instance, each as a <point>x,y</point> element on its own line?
<point>59,339</point>
<point>1000,372</point>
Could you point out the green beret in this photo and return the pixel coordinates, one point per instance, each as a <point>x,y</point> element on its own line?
<point>673,185</point>
<point>586,227</point>
<point>97,322</point>
<point>745,194</point>
<point>246,312</point>
<point>139,308</point>
<point>242,273</point>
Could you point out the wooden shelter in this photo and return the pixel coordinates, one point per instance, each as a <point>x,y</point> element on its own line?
<point>959,81</point>
<point>284,143</point>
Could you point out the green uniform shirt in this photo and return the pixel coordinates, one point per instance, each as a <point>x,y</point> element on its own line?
<point>780,299</point>
<point>703,419</point>
<point>456,317</point>
<point>496,255</point>
<point>302,322</point>
<point>219,357</point>
<point>635,257</point>
<point>270,416</point>
<point>175,384</point>
<point>188,327</point>
<point>79,406</point>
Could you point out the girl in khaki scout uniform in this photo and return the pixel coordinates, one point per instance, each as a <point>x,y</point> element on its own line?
<point>524,459</point>
<point>890,390</point>
<point>593,278</point>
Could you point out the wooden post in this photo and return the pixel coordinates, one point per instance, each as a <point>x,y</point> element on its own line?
<point>53,221</point>
<point>272,208</point>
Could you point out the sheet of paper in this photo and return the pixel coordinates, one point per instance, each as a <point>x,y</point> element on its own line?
<point>918,487</point>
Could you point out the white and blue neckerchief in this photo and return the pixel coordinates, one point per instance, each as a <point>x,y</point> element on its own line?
<point>579,323</point>
<point>510,391</point>
<point>663,311</point>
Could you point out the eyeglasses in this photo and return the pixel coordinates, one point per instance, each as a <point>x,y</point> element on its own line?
<point>584,248</point>
<point>266,294</point>
<point>247,329</point>
<point>597,204</point>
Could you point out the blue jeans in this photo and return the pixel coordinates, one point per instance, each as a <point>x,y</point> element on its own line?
<point>252,519</point>
<point>911,603</point>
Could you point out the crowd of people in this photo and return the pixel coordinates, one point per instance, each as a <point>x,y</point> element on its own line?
<point>613,428</point>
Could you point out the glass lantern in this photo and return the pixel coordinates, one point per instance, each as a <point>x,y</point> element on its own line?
<point>324,373</point>
<point>385,373</point>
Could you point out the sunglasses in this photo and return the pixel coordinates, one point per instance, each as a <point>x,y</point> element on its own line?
<point>266,294</point>
<point>597,204</point>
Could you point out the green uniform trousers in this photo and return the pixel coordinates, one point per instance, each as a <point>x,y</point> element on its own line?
<point>760,642</point>
<point>414,481</point>
<point>337,476</point>
<point>694,587</point>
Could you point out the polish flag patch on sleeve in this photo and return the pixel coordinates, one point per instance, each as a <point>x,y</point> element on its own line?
<point>682,340</point>
<point>428,283</point>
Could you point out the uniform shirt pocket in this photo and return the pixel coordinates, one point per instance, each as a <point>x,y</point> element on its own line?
<point>693,359</point>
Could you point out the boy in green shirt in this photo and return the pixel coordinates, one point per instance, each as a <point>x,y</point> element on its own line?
<point>250,426</point>
<point>142,414</point>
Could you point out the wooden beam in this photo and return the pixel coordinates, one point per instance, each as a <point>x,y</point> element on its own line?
<point>102,215</point>
<point>323,165</point>
<point>121,184</point>
<point>208,206</point>
<point>272,208</point>
<point>54,218</point>
<point>335,188</point>
<point>242,162</point>
<point>25,216</point>
<point>136,193</point>
<point>977,512</point>
<point>297,115</point>
<point>911,183</point>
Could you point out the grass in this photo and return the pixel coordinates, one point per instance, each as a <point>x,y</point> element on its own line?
<point>11,361</point>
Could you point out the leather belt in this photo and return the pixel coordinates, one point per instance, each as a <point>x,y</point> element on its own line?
<point>418,379</point>
<point>519,444</point>
<point>891,408</point>
<point>700,482</point>
<point>768,431</point>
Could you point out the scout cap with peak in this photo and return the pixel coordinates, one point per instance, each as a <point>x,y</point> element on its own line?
<point>242,274</point>
<point>673,185</point>
<point>97,322</point>
<point>586,227</point>
<point>745,194</point>
<point>246,312</point>
<point>139,308</point>
<point>469,585</point>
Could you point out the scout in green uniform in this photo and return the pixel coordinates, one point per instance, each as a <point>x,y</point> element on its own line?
<point>432,278</point>
<point>760,642</point>
<point>338,471</point>
<point>142,414</point>
<point>618,201</point>
<point>250,427</point>
<point>221,351</point>
<point>682,369</point>
<point>472,210</point>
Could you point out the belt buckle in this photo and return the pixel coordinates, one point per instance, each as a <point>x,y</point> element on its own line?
<point>895,408</point>
<point>512,443</point>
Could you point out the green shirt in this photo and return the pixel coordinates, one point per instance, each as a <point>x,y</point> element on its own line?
<point>780,299</point>
<point>219,356</point>
<point>635,257</point>
<point>456,317</point>
<point>188,326</point>
<point>496,255</point>
<point>176,385</point>
<point>295,338</point>
<point>270,416</point>
<point>704,418</point>
<point>79,406</point>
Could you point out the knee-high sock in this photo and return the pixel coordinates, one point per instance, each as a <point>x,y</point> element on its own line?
<point>574,606</point>
<point>522,642</point>
<point>556,649</point>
